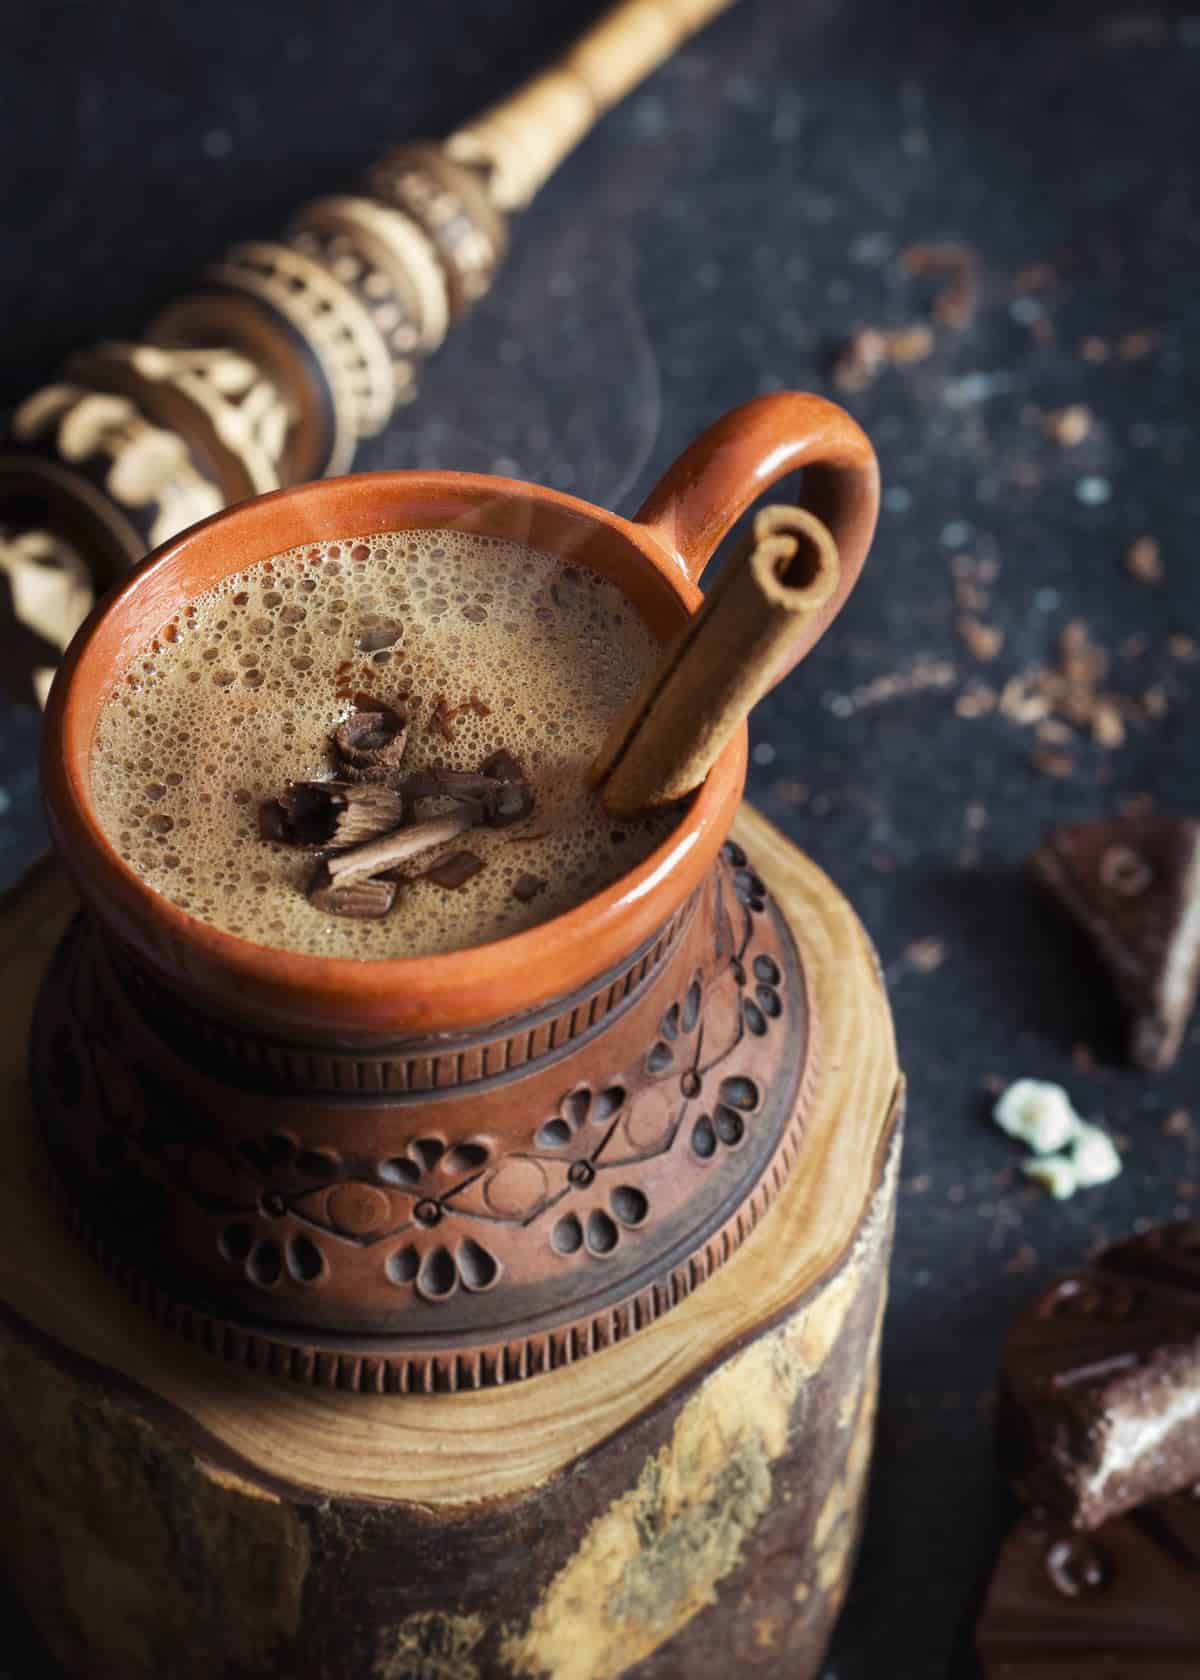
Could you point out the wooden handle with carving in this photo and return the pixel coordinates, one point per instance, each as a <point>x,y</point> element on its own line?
<point>291,350</point>
<point>522,140</point>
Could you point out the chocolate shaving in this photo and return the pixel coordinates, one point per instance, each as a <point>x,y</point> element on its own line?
<point>498,788</point>
<point>527,887</point>
<point>368,899</point>
<point>956,302</point>
<point>392,849</point>
<point>370,744</point>
<point>444,714</point>
<point>455,871</point>
<point>333,814</point>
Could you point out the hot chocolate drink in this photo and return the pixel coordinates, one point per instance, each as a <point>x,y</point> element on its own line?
<point>478,646</point>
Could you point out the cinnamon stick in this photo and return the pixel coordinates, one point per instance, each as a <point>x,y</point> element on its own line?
<point>720,664</point>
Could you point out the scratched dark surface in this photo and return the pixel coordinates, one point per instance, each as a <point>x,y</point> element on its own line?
<point>723,234</point>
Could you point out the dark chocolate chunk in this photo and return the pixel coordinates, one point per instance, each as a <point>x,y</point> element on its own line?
<point>455,871</point>
<point>504,767</point>
<point>1133,884</point>
<point>449,784</point>
<point>511,803</point>
<point>514,801</point>
<point>272,821</point>
<point>527,887</point>
<point>332,814</point>
<point>1100,1391</point>
<point>370,744</point>
<point>1114,1605</point>
<point>366,899</point>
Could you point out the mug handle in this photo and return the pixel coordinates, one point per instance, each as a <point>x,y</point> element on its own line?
<point>740,456</point>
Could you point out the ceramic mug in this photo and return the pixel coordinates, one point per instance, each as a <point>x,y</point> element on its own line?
<point>460,1169</point>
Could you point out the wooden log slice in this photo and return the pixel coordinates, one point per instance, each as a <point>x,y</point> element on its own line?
<point>686,1503</point>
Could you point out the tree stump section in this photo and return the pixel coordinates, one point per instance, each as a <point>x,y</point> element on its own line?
<point>686,1503</point>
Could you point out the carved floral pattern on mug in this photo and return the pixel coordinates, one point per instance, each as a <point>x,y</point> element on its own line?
<point>284,1210</point>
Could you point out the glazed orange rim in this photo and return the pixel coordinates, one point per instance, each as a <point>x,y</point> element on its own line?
<point>672,869</point>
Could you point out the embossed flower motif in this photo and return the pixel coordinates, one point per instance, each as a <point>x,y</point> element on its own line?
<point>747,884</point>
<point>766,1005</point>
<point>678,1023</point>
<point>582,1126</point>
<point>265,1260</point>
<point>738,1096</point>
<point>600,1230</point>
<point>436,1273</point>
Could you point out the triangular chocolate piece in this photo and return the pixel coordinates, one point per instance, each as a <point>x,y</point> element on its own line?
<point>1100,1388</point>
<point>1133,883</point>
<point>1119,1603</point>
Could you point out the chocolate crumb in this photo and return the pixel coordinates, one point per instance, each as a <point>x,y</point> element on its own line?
<point>1108,727</point>
<point>1068,426</point>
<point>955,304</point>
<point>1178,1123</point>
<point>926,955</point>
<point>1024,1260</point>
<point>454,871</point>
<point>1053,762</point>
<point>367,899</point>
<point>1143,561</point>
<point>527,887</point>
<point>983,640</point>
<point>976,701</point>
<point>872,348</point>
<point>1134,345</point>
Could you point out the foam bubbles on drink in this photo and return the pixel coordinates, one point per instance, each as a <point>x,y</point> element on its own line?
<point>241,693</point>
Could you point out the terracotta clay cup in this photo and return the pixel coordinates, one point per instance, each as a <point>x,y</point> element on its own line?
<point>462,1169</point>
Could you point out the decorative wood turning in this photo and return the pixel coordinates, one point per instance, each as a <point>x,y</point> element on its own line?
<point>289,351</point>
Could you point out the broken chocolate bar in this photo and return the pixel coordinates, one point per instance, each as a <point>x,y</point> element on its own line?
<point>1100,1394</point>
<point>1133,883</point>
<point>1121,1603</point>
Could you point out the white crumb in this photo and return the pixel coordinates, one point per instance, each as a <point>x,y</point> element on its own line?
<point>1054,1173</point>
<point>1094,1157</point>
<point>1039,1114</point>
<point>1069,1153</point>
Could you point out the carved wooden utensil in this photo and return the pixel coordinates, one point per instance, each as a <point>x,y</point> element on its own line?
<point>293,349</point>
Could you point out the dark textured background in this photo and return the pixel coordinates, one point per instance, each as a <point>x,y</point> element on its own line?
<point>723,234</point>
